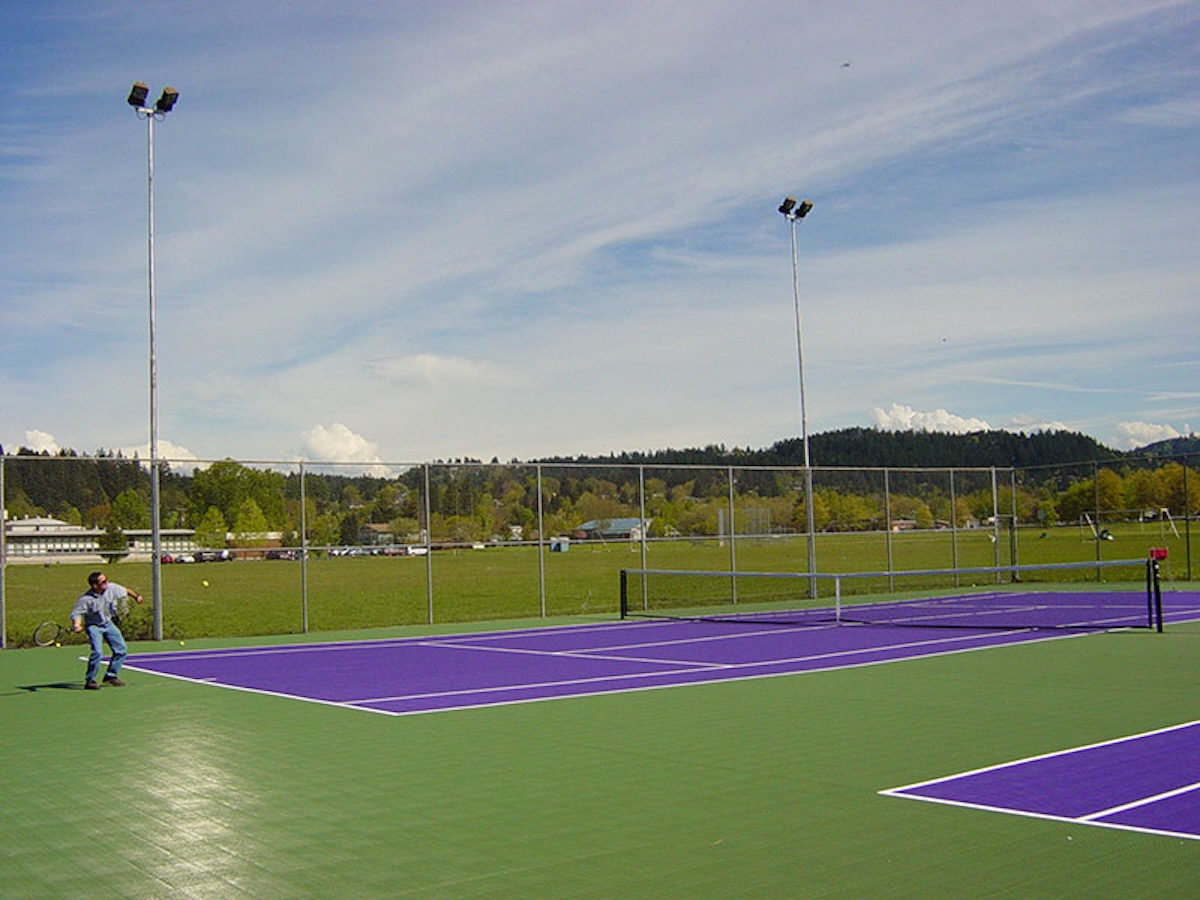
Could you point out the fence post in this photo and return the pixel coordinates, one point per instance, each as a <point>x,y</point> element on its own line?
<point>541,529</point>
<point>995,524</point>
<point>887,525</point>
<point>3,553</point>
<point>303,557</point>
<point>428,551</point>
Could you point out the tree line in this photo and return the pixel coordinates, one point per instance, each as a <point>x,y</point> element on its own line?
<point>1060,477</point>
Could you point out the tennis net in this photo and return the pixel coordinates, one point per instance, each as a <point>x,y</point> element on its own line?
<point>1090,596</point>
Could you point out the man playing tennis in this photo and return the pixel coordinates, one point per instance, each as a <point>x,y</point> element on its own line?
<point>96,611</point>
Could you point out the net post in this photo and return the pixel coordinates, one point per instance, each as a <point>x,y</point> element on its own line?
<point>1158,616</point>
<point>624,594</point>
<point>1154,587</point>
<point>1150,590</point>
<point>837,599</point>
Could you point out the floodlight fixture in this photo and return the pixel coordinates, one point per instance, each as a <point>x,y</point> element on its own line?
<point>137,95</point>
<point>793,210</point>
<point>166,101</point>
<point>138,99</point>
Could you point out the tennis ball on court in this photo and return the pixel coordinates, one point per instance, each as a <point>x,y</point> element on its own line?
<point>205,582</point>
<point>58,643</point>
<point>181,643</point>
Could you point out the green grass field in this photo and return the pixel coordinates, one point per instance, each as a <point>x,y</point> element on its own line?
<point>261,597</point>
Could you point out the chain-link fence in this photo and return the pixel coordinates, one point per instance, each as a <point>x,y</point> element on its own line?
<point>330,546</point>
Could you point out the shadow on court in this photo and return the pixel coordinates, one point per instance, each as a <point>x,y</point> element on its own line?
<point>52,686</point>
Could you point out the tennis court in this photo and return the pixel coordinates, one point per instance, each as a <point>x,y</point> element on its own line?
<point>455,672</point>
<point>461,671</point>
<point>678,759</point>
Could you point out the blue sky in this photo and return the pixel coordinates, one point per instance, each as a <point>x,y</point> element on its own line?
<point>400,231</point>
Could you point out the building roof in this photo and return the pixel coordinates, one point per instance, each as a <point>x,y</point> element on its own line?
<point>45,525</point>
<point>612,527</point>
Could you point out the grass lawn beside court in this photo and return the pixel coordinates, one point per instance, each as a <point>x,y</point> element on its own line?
<point>262,597</point>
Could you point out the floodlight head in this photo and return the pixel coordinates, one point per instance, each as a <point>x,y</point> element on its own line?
<point>787,205</point>
<point>166,102</point>
<point>137,95</point>
<point>803,209</point>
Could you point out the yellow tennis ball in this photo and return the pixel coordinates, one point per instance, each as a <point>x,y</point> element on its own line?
<point>205,582</point>
<point>181,643</point>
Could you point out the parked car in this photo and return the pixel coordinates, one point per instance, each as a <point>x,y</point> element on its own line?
<point>213,556</point>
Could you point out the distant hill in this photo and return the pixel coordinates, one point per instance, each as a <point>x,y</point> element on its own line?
<point>873,447</point>
<point>1172,447</point>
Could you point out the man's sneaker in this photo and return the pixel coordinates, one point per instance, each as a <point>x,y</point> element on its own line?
<point>90,686</point>
<point>113,681</point>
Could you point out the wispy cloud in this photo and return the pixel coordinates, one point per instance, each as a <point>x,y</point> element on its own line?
<point>551,229</point>
<point>427,369</point>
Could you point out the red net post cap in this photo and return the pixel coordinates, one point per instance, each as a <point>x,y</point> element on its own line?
<point>1158,552</point>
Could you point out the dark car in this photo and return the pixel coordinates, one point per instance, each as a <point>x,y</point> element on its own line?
<point>213,556</point>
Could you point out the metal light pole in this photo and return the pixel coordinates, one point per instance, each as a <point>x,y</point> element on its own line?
<point>166,102</point>
<point>794,212</point>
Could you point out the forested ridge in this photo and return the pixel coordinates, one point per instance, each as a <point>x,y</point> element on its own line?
<point>1062,473</point>
<point>872,447</point>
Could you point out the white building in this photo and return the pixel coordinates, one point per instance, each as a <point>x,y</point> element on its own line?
<point>41,536</point>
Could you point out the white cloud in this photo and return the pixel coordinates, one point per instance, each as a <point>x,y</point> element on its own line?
<point>41,442</point>
<point>1030,424</point>
<point>428,369</point>
<point>1139,434</point>
<point>905,418</point>
<point>180,458</point>
<point>338,443</point>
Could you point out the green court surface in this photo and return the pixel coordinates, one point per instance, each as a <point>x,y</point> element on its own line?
<point>756,788</point>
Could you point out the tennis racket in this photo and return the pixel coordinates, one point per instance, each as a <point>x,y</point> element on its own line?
<point>50,634</point>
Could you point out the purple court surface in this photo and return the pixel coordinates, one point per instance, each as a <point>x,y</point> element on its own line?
<point>430,674</point>
<point>1146,782</point>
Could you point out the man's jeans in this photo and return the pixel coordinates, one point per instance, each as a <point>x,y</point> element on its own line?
<point>97,634</point>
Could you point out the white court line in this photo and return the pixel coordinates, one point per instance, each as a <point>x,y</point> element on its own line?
<point>529,685</point>
<point>357,705</point>
<point>470,640</point>
<point>1028,759</point>
<point>1145,801</point>
<point>686,667</point>
<point>449,639</point>
<point>572,654</point>
<point>1090,819</point>
<point>1028,814</point>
